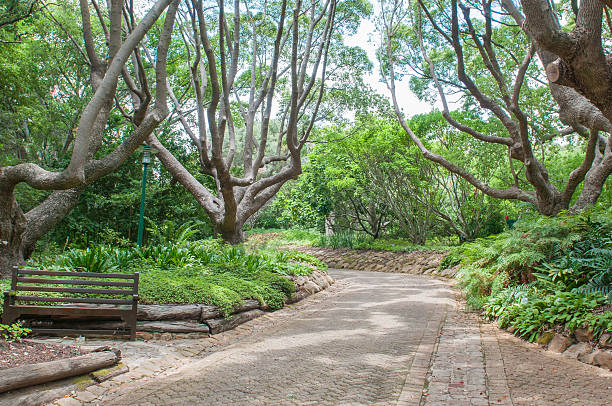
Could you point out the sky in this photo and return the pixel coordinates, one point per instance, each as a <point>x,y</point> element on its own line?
<point>367,38</point>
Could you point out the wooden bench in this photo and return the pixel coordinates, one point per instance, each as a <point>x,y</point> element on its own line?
<point>77,305</point>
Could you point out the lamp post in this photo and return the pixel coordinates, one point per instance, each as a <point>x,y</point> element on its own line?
<point>147,153</point>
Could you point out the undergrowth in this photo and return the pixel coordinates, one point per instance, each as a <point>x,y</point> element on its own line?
<point>275,238</point>
<point>205,271</point>
<point>547,272</point>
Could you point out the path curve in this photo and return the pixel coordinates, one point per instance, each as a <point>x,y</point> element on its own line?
<point>383,339</point>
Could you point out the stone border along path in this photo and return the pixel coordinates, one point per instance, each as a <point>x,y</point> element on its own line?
<point>373,338</point>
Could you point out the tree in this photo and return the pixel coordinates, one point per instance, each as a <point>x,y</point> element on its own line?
<point>19,231</point>
<point>578,67</point>
<point>245,65</point>
<point>497,78</point>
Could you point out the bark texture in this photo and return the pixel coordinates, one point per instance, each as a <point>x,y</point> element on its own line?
<point>20,232</point>
<point>295,52</point>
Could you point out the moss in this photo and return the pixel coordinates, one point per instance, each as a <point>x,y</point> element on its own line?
<point>83,381</point>
<point>101,373</point>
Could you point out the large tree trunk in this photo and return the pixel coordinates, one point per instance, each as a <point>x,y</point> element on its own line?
<point>232,236</point>
<point>12,226</point>
<point>45,216</point>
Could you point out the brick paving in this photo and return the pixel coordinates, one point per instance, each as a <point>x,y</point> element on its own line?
<point>542,378</point>
<point>371,339</point>
<point>356,347</point>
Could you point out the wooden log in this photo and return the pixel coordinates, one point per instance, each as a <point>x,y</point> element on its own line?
<point>220,325</point>
<point>27,375</point>
<point>172,327</point>
<point>210,312</point>
<point>159,326</point>
<point>249,304</point>
<point>170,312</point>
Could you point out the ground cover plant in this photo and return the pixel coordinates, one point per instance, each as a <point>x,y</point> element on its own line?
<point>203,271</point>
<point>547,273</point>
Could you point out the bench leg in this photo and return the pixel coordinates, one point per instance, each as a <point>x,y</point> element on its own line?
<point>133,329</point>
<point>130,321</point>
<point>9,316</point>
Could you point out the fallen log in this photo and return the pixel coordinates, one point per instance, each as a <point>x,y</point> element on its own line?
<point>172,327</point>
<point>169,312</point>
<point>27,375</point>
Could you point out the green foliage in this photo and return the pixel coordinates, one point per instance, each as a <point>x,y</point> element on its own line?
<point>95,259</point>
<point>13,332</point>
<point>275,238</point>
<point>344,239</point>
<point>203,271</point>
<point>531,311</point>
<point>169,233</point>
<point>545,273</point>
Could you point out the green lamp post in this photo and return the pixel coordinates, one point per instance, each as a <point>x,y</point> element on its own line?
<point>147,154</point>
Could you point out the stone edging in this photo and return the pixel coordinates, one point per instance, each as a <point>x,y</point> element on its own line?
<point>414,262</point>
<point>580,346</point>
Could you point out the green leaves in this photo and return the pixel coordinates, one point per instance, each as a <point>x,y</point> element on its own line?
<point>572,255</point>
<point>13,332</point>
<point>205,271</point>
<point>531,311</point>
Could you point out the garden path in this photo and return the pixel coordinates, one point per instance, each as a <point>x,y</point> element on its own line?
<point>375,339</point>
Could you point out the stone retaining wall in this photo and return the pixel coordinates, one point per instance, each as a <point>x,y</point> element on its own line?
<point>415,262</point>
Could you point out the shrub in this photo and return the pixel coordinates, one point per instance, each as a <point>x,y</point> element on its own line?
<point>93,259</point>
<point>13,332</point>
<point>546,272</point>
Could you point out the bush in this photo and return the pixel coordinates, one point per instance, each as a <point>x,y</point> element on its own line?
<point>531,311</point>
<point>206,271</point>
<point>547,272</point>
<point>13,332</point>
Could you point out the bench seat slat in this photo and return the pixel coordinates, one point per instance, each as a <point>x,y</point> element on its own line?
<point>123,292</point>
<point>70,311</point>
<point>73,300</point>
<point>81,274</point>
<point>73,282</point>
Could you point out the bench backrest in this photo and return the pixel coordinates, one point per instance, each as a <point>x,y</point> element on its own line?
<point>119,286</point>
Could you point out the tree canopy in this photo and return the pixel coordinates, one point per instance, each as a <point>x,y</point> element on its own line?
<point>261,114</point>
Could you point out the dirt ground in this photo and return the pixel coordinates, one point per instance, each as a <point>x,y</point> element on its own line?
<point>28,352</point>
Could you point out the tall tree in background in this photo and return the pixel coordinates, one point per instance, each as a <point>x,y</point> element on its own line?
<point>498,78</point>
<point>258,60</point>
<point>123,36</point>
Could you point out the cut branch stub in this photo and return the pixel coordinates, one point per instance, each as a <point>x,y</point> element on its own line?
<point>560,73</point>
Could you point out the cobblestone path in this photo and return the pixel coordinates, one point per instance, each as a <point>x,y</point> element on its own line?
<point>354,348</point>
<point>541,378</point>
<point>378,339</point>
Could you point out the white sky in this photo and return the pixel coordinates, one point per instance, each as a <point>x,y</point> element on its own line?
<point>367,38</point>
